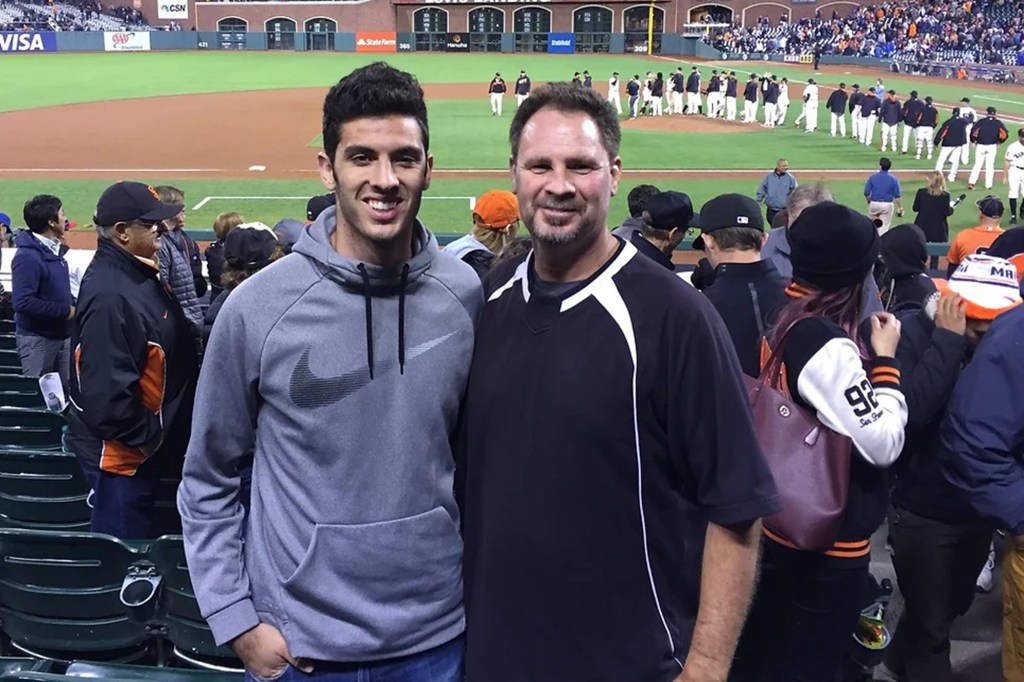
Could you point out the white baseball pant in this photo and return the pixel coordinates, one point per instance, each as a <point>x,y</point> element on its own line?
<point>615,101</point>
<point>925,136</point>
<point>949,154</point>
<point>811,116</point>
<point>771,112</point>
<point>714,104</point>
<point>908,133</point>
<point>522,98</point>
<point>855,122</point>
<point>1015,179</point>
<point>782,110</point>
<point>840,120</point>
<point>749,111</point>
<point>496,103</point>
<point>965,151</point>
<point>889,134</point>
<point>656,106</point>
<point>730,108</point>
<point>984,155</point>
<point>677,103</point>
<point>867,129</point>
<point>693,102</point>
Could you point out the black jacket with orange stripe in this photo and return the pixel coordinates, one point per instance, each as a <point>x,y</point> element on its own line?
<point>825,373</point>
<point>134,367</point>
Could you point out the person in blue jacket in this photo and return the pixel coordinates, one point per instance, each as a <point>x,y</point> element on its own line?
<point>43,305</point>
<point>983,457</point>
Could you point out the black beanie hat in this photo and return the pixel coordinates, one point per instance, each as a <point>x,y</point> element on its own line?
<point>833,246</point>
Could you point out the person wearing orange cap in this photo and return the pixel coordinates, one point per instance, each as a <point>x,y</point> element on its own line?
<point>495,224</point>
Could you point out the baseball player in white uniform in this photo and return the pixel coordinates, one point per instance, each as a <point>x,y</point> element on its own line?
<point>1014,173</point>
<point>647,108</point>
<point>967,112</point>
<point>782,106</point>
<point>809,114</point>
<point>613,92</point>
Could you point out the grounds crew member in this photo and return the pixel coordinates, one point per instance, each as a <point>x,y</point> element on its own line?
<point>912,109</point>
<point>523,85</point>
<point>836,105</point>
<point>890,117</point>
<point>1013,173</point>
<point>987,134</point>
<point>775,189</point>
<point>926,122</point>
<point>747,291</point>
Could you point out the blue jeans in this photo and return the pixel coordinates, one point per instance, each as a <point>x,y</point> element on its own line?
<point>440,664</point>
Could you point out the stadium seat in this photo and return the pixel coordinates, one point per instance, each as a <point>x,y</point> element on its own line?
<point>7,327</point>
<point>32,429</point>
<point>60,596</point>
<point>19,391</point>
<point>109,671</point>
<point>42,490</point>
<point>10,362</point>
<point>8,342</point>
<point>179,611</point>
<point>10,664</point>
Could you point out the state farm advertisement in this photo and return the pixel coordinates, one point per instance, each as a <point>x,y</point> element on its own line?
<point>375,41</point>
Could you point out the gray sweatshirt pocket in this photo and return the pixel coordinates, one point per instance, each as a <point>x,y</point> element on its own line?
<point>376,590</point>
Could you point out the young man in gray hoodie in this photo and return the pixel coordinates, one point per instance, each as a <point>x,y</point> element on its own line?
<point>339,370</point>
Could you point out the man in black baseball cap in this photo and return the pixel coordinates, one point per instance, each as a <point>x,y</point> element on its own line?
<point>131,392</point>
<point>747,291</point>
<point>665,217</point>
<point>317,205</point>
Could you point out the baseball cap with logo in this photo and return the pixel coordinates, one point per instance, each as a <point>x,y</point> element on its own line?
<point>317,205</point>
<point>991,206</point>
<point>5,220</point>
<point>127,201</point>
<point>497,209</point>
<point>728,210</point>
<point>988,285</point>
<point>668,210</point>
<point>250,245</point>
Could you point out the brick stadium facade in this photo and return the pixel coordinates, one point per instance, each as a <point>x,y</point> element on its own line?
<point>525,23</point>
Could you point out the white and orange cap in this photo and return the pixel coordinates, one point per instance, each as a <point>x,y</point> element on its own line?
<point>988,285</point>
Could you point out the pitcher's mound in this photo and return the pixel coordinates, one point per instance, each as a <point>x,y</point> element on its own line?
<point>690,124</point>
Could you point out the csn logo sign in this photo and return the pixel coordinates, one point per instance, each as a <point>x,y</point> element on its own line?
<point>29,41</point>
<point>172,10</point>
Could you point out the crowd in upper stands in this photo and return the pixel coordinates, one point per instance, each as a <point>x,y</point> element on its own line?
<point>68,15</point>
<point>974,31</point>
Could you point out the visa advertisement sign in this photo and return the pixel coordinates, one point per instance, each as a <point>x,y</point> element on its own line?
<point>561,43</point>
<point>28,41</point>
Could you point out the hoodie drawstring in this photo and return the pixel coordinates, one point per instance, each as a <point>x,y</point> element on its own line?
<point>401,318</point>
<point>369,316</point>
<point>403,282</point>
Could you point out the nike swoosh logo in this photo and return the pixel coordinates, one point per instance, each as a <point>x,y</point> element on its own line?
<point>306,389</point>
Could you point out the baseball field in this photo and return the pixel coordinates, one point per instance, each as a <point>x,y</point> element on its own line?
<point>240,130</point>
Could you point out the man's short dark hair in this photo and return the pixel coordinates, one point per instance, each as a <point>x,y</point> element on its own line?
<point>40,210</point>
<point>738,238</point>
<point>637,198</point>
<point>885,163</point>
<point>377,89</point>
<point>566,99</point>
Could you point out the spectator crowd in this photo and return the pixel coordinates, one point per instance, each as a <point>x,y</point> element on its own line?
<point>972,31</point>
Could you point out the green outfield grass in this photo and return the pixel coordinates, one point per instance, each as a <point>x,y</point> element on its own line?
<point>463,134</point>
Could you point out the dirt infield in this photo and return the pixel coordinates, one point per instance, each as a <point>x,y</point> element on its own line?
<point>223,135</point>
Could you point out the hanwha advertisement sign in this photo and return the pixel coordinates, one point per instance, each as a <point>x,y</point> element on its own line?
<point>375,41</point>
<point>126,41</point>
<point>457,42</point>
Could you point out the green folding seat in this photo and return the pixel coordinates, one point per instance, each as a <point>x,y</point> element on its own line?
<point>42,490</point>
<point>31,429</point>
<point>110,671</point>
<point>60,596</point>
<point>179,613</point>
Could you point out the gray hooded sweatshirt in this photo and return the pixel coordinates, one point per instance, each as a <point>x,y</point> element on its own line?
<point>344,381</point>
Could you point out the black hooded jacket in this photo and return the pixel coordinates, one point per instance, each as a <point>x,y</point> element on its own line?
<point>901,277</point>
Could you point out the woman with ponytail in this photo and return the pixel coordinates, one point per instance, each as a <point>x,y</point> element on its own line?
<point>808,603</point>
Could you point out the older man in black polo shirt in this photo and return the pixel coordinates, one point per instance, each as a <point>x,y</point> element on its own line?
<point>747,291</point>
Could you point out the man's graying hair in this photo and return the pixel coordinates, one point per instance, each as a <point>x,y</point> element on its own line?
<point>569,99</point>
<point>806,196</point>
